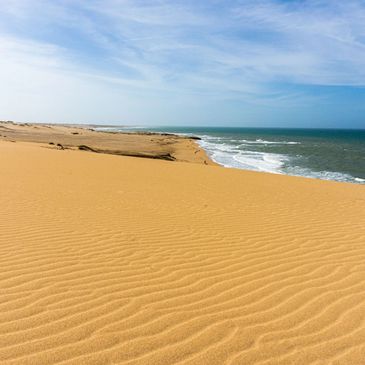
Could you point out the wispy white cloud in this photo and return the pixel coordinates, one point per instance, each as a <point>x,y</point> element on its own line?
<point>264,52</point>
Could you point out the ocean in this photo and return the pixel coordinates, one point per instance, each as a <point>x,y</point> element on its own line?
<point>327,154</point>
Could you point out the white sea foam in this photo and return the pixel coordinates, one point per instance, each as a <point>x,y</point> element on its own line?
<point>323,175</point>
<point>359,179</point>
<point>231,156</point>
<point>261,161</point>
<point>238,156</point>
<point>262,141</point>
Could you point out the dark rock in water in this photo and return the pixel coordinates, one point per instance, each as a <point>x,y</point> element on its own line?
<point>51,143</point>
<point>195,137</point>
<point>60,146</point>
<point>75,132</point>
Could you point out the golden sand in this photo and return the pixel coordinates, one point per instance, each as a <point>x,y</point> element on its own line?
<point>157,145</point>
<point>119,260</point>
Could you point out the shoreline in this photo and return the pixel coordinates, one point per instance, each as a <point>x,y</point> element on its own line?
<point>357,181</point>
<point>254,157</point>
<point>167,146</point>
<point>258,154</point>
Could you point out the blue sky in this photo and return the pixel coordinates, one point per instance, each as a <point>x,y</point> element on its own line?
<point>217,62</point>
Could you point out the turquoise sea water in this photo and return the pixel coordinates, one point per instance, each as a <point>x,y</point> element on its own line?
<point>317,153</point>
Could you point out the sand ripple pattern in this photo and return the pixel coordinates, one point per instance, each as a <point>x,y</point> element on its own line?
<point>116,260</point>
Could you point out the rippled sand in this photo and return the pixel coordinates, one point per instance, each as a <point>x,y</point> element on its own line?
<point>118,260</point>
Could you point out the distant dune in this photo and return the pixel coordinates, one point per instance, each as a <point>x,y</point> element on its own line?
<point>118,260</point>
<point>160,146</point>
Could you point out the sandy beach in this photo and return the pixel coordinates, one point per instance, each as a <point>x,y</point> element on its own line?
<point>111,259</point>
<point>161,146</point>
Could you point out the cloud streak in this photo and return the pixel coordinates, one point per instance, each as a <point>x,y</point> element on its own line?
<point>268,53</point>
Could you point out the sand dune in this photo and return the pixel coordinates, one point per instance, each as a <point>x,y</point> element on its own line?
<point>117,260</point>
<point>142,144</point>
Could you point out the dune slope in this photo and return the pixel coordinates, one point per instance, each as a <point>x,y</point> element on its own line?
<point>118,260</point>
<point>142,144</point>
